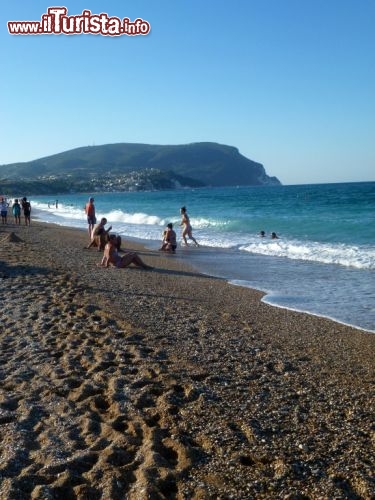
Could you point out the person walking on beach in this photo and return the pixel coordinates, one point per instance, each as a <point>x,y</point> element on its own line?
<point>26,207</point>
<point>111,256</point>
<point>4,210</point>
<point>187,230</point>
<point>91,218</point>
<point>16,211</point>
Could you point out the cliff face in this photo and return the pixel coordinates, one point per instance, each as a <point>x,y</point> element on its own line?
<point>197,164</point>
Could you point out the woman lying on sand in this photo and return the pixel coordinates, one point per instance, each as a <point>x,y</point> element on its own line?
<point>111,256</point>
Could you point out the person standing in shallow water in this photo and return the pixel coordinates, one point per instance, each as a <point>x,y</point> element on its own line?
<point>187,229</point>
<point>91,218</point>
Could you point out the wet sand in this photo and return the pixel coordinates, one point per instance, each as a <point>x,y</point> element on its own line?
<point>132,384</point>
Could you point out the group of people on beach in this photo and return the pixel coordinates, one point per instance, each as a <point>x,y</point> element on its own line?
<point>16,208</point>
<point>110,244</point>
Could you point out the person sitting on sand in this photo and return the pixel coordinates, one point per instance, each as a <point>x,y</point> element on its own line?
<point>111,256</point>
<point>169,239</point>
<point>188,230</point>
<point>99,235</point>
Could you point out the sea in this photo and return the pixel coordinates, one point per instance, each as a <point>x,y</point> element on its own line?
<point>322,263</point>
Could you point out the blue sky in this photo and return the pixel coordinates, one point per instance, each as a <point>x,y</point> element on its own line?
<point>290,83</point>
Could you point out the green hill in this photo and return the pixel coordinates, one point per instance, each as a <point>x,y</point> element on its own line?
<point>137,166</point>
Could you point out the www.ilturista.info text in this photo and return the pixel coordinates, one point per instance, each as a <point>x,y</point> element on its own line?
<point>56,22</point>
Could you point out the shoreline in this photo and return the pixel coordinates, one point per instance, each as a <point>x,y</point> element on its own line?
<point>267,295</point>
<point>277,278</point>
<point>170,382</point>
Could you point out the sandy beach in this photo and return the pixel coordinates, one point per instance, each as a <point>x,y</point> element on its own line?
<point>133,384</point>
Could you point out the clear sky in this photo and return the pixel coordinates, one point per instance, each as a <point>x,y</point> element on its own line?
<point>290,83</point>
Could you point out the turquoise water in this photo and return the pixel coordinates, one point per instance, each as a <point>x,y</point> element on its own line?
<point>323,262</point>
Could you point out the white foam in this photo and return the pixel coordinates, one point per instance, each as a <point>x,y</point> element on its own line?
<point>210,233</point>
<point>326,253</point>
<point>268,299</point>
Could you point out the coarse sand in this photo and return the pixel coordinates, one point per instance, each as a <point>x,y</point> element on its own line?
<point>133,384</point>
